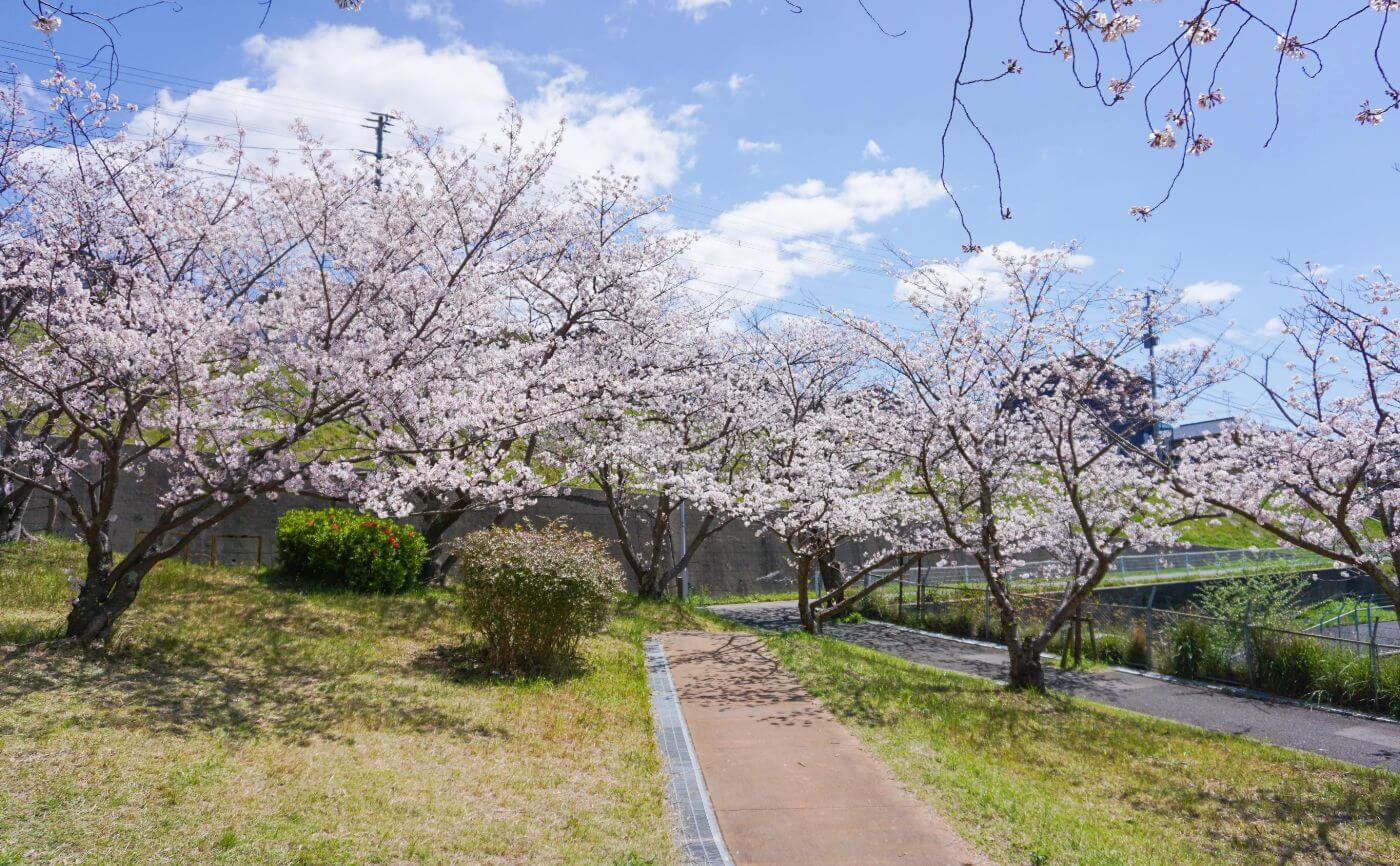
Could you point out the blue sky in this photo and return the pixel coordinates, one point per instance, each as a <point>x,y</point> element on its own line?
<point>800,144</point>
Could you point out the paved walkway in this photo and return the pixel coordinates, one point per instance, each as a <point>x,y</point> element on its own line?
<point>1346,738</point>
<point>787,782</point>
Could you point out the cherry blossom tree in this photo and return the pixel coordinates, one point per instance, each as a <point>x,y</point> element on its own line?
<point>17,417</point>
<point>812,478</point>
<point>25,136</point>
<point>675,437</point>
<point>1022,427</point>
<point>1326,476</point>
<point>591,267</point>
<point>220,329</point>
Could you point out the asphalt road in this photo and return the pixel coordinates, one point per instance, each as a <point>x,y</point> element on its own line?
<point>1346,738</point>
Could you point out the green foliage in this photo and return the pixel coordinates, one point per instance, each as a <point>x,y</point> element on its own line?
<point>1265,598</point>
<point>534,593</point>
<point>1287,665</point>
<point>1338,674</point>
<point>1198,649</point>
<point>339,547</point>
<point>1113,649</point>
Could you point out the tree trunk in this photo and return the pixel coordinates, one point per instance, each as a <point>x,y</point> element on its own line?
<point>804,602</point>
<point>440,559</point>
<point>831,576</point>
<point>1027,670</point>
<point>651,583</point>
<point>12,516</point>
<point>103,597</point>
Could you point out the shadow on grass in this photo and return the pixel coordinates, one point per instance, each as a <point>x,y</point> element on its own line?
<point>243,666</point>
<point>466,664</point>
<point>276,578</point>
<point>291,701</point>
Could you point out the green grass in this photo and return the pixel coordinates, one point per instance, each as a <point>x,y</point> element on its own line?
<point>237,720</point>
<point>1032,778</point>
<point>1329,610</point>
<point>743,598</point>
<point>1228,532</point>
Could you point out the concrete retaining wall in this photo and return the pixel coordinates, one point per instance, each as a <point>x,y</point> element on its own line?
<point>734,560</point>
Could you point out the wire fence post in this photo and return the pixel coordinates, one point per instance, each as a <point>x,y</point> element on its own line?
<point>987,613</point>
<point>1248,645</point>
<point>1375,665</point>
<point>1147,628</point>
<point>900,581</point>
<point>919,588</point>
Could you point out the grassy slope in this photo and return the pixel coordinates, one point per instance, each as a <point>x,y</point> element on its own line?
<point>1049,780</point>
<point>236,721</point>
<point>1230,532</point>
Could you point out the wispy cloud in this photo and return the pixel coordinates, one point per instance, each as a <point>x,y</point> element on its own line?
<point>749,146</point>
<point>698,9</point>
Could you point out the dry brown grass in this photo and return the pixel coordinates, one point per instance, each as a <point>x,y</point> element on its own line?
<point>238,721</point>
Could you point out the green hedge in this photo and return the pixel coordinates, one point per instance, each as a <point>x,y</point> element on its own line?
<point>339,547</point>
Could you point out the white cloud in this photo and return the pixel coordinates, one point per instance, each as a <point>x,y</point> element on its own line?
<point>746,145</point>
<point>1210,292</point>
<point>321,77</point>
<point>876,195</point>
<point>765,246</point>
<point>873,150</point>
<point>735,83</point>
<point>437,11</point>
<point>698,9</point>
<point>981,271</point>
<point>1183,344</point>
<point>1272,328</point>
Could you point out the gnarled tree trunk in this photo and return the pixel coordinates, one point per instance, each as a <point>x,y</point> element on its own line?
<point>104,596</point>
<point>1027,670</point>
<point>12,510</point>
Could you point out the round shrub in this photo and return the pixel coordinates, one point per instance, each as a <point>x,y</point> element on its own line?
<point>534,593</point>
<point>339,547</point>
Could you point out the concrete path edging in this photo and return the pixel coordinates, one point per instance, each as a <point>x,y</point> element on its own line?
<point>788,782</point>
<point>697,829</point>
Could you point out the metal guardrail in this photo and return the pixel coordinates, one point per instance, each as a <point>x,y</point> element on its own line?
<point>1133,565</point>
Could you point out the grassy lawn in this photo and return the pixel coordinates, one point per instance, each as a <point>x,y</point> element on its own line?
<point>746,598</point>
<point>239,721</point>
<point>1049,780</point>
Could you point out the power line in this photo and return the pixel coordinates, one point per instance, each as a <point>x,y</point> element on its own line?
<point>155,78</point>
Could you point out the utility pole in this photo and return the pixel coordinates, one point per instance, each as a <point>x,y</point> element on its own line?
<point>379,122</point>
<point>685,569</point>
<point>1149,342</point>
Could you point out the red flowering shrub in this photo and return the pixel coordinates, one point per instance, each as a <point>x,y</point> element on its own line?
<point>339,547</point>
